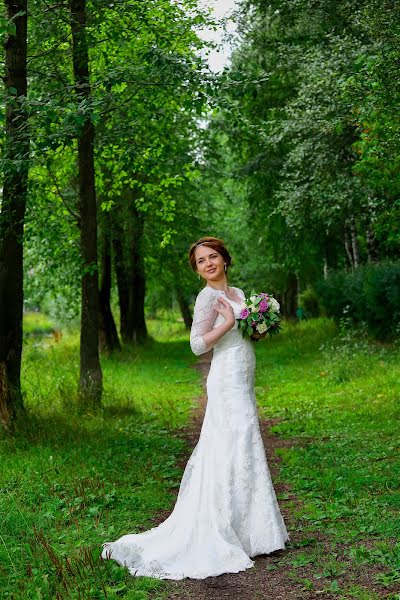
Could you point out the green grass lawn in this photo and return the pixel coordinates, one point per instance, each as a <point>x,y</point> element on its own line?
<point>70,482</point>
<point>338,396</point>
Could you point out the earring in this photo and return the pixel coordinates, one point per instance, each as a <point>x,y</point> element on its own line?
<point>225,267</point>
<point>198,275</point>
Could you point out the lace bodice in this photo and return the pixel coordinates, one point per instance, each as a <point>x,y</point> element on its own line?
<point>205,316</point>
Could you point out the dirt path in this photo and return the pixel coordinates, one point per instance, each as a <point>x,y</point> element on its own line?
<point>314,564</point>
<point>269,578</point>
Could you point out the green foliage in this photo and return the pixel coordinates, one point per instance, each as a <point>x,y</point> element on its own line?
<point>308,301</point>
<point>36,323</point>
<point>148,88</point>
<point>300,147</point>
<point>369,295</point>
<point>305,131</point>
<point>373,90</point>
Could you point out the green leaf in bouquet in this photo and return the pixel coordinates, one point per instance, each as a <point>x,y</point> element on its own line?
<point>249,330</point>
<point>275,329</point>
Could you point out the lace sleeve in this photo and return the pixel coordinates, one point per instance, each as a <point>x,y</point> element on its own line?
<point>240,293</point>
<point>203,320</point>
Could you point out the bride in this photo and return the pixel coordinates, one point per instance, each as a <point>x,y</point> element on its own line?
<point>226,511</point>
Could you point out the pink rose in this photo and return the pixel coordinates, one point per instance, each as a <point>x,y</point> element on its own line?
<point>263,306</point>
<point>245,313</point>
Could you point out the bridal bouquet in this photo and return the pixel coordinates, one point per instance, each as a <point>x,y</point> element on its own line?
<point>261,316</point>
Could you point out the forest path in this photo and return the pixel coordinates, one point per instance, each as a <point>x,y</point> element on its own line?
<point>269,578</point>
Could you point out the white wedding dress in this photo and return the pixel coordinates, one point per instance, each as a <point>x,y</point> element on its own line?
<point>226,510</point>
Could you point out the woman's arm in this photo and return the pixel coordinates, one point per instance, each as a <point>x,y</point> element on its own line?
<point>213,336</point>
<point>202,336</point>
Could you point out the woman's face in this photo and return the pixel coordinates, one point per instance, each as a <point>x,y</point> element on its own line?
<point>209,263</point>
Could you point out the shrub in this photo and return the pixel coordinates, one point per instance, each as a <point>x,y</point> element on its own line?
<point>370,295</point>
<point>308,301</point>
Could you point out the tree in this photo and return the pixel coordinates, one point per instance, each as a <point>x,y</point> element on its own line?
<point>146,88</point>
<point>13,204</point>
<point>108,336</point>
<point>302,112</point>
<point>90,383</point>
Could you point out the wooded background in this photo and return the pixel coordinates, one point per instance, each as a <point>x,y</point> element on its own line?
<point>120,148</point>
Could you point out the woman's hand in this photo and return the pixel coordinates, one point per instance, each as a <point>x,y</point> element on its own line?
<point>226,310</point>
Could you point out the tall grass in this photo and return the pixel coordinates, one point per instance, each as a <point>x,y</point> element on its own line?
<point>71,481</point>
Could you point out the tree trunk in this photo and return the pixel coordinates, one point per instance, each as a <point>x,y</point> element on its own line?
<point>136,326</point>
<point>290,296</point>
<point>184,308</point>
<point>91,380</point>
<point>108,336</point>
<point>354,242</point>
<point>12,207</point>
<point>326,266</point>
<point>348,248</point>
<point>372,248</point>
<point>121,272</point>
<point>330,255</point>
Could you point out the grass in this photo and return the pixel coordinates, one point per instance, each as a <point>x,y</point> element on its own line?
<point>36,323</point>
<point>70,482</point>
<point>338,397</point>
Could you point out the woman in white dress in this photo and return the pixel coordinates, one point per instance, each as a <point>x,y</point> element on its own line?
<point>226,511</point>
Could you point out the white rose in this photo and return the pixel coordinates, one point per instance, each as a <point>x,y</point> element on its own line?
<point>253,308</point>
<point>261,327</point>
<point>274,305</point>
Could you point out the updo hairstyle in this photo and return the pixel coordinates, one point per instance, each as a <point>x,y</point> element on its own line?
<point>210,242</point>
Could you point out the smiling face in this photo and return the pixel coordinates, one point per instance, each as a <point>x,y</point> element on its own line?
<point>209,264</point>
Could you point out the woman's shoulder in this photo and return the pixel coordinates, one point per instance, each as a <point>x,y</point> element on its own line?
<point>206,293</point>
<point>238,291</point>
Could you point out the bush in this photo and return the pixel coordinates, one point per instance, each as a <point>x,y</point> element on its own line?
<point>369,295</point>
<point>308,301</point>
